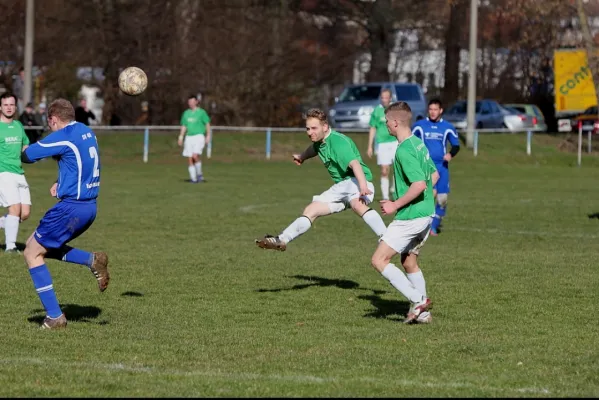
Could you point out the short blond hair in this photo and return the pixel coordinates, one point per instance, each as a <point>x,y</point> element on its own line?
<point>316,113</point>
<point>400,111</point>
<point>61,109</point>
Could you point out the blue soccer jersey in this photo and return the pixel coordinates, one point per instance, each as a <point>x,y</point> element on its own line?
<point>435,136</point>
<point>76,148</point>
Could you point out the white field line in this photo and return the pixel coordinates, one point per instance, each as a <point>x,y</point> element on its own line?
<point>523,233</point>
<point>242,376</point>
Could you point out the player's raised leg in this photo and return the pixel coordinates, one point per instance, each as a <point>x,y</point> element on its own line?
<point>96,262</point>
<point>370,216</point>
<point>299,226</point>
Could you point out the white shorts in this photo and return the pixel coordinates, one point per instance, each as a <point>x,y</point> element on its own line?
<point>193,145</point>
<point>386,153</point>
<point>407,236</point>
<point>340,194</point>
<point>13,189</point>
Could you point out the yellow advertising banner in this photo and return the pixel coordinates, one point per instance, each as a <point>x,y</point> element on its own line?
<point>574,88</point>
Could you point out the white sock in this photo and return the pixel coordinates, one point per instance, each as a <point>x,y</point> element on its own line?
<point>297,228</point>
<point>401,283</point>
<point>2,221</point>
<point>417,280</point>
<point>11,229</point>
<point>193,175</point>
<point>199,168</point>
<point>375,222</point>
<point>385,188</point>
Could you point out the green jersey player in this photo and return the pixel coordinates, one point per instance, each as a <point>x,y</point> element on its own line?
<point>352,182</point>
<point>415,176</point>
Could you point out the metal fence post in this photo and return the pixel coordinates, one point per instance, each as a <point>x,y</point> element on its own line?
<point>268,138</point>
<point>528,142</point>
<point>579,143</point>
<point>475,143</point>
<point>146,143</point>
<point>209,146</point>
<point>589,146</point>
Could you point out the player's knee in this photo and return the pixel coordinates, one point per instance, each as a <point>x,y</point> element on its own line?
<point>442,200</point>
<point>385,171</point>
<point>25,215</point>
<point>379,261</point>
<point>410,264</point>
<point>15,210</point>
<point>30,254</point>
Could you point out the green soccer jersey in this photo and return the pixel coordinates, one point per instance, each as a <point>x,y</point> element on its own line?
<point>336,152</point>
<point>378,121</point>
<point>12,140</point>
<point>412,163</point>
<point>195,121</point>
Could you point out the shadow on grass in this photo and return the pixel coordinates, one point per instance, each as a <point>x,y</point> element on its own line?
<point>594,215</point>
<point>20,246</point>
<point>73,312</point>
<point>386,308</point>
<point>316,281</point>
<point>132,294</point>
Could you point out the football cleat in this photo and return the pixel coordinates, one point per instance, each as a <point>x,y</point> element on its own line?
<point>54,323</point>
<point>271,242</point>
<point>100,270</point>
<point>418,308</point>
<point>424,318</point>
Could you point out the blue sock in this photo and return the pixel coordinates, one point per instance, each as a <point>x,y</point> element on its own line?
<point>72,255</point>
<point>42,281</point>
<point>77,256</point>
<point>439,214</point>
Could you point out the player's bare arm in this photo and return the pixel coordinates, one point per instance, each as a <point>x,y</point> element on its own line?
<point>415,190</point>
<point>208,133</point>
<point>306,154</point>
<point>359,174</point>
<point>182,135</point>
<point>371,135</point>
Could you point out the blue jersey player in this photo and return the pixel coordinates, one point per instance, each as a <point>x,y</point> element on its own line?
<point>75,147</point>
<point>435,133</point>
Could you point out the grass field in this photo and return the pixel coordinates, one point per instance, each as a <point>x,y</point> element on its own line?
<point>195,309</point>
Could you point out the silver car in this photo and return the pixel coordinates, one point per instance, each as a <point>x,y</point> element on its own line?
<point>354,105</point>
<point>489,114</point>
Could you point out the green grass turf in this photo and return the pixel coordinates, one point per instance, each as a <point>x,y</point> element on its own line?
<point>194,308</point>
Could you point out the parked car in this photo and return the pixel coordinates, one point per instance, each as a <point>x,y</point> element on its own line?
<point>538,119</point>
<point>354,105</point>
<point>589,119</point>
<point>489,114</point>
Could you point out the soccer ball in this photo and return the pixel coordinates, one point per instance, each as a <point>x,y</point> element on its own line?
<point>133,81</point>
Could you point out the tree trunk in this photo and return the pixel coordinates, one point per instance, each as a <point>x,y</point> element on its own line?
<point>592,57</point>
<point>381,40</point>
<point>453,35</point>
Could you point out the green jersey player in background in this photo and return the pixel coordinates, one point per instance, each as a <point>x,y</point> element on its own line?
<point>352,182</point>
<point>386,144</point>
<point>195,133</point>
<point>14,190</point>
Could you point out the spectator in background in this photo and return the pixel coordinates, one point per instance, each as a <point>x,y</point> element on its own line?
<point>29,118</point>
<point>41,112</point>
<point>83,114</point>
<point>18,87</point>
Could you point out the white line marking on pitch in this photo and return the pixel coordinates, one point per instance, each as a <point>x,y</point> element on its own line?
<point>525,233</point>
<point>119,367</point>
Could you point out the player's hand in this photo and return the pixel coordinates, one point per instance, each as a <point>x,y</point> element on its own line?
<point>388,207</point>
<point>297,159</point>
<point>180,141</point>
<point>447,157</point>
<point>364,191</point>
<point>53,189</point>
<point>369,152</point>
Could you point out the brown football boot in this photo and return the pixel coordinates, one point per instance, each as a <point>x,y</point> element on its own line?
<point>100,270</point>
<point>54,323</point>
<point>272,243</point>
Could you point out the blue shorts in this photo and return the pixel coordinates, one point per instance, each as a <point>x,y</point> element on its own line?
<point>65,222</point>
<point>442,185</point>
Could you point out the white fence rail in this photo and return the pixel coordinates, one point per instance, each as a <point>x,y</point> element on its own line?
<point>124,129</point>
